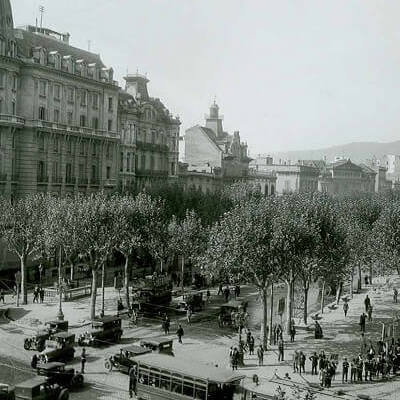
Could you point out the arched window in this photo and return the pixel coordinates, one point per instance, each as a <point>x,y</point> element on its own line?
<point>272,190</point>
<point>266,189</point>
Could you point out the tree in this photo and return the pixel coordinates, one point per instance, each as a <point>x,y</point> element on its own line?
<point>240,245</point>
<point>21,226</point>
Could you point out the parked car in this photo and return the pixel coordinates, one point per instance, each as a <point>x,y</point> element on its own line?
<point>59,348</point>
<point>58,373</point>
<point>123,361</point>
<point>193,299</point>
<point>37,341</point>
<point>232,306</point>
<point>104,330</point>
<point>158,344</point>
<point>6,392</point>
<point>39,388</point>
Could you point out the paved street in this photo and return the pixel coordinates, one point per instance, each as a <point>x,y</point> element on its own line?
<point>205,342</point>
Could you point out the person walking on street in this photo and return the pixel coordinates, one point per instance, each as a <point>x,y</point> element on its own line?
<point>345,308</point>
<point>132,382</point>
<point>208,295</point>
<point>292,332</point>
<point>353,370</point>
<point>83,360</point>
<point>367,302</point>
<point>345,370</point>
<point>2,295</point>
<point>220,291</point>
<point>36,295</point>
<point>167,324</point>
<point>180,333</point>
<point>237,291</point>
<point>296,361</point>
<point>369,313</point>
<point>314,363</point>
<point>302,362</point>
<point>260,355</point>
<point>251,345</point>
<point>395,294</point>
<point>363,317</point>
<point>34,361</point>
<point>189,315</point>
<point>41,294</point>
<point>281,350</point>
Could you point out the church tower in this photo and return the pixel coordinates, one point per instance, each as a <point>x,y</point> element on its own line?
<point>214,121</point>
<point>8,46</point>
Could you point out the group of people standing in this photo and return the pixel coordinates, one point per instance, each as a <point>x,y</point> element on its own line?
<point>236,354</point>
<point>38,294</point>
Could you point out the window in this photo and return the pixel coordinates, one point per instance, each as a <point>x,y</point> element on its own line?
<point>121,161</point>
<point>68,172</point>
<point>70,117</point>
<point>110,124</point>
<point>15,82</point>
<point>128,162</point>
<point>95,101</point>
<point>1,106</point>
<point>108,172</point>
<point>42,88</point>
<point>82,120</point>
<point>82,148</point>
<point>110,104</point>
<point>152,162</point>
<point>55,172</point>
<point>153,137</point>
<point>57,116</point>
<point>40,171</point>
<point>2,75</point>
<point>83,97</point>
<point>272,190</point>
<point>42,113</point>
<point>69,146</point>
<point>94,172</point>
<point>55,144</point>
<point>70,94</point>
<point>57,92</point>
<point>95,123</point>
<point>143,163</point>
<point>81,168</point>
<point>14,108</point>
<point>94,149</point>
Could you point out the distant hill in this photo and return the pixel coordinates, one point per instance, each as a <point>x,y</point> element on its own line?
<point>357,152</point>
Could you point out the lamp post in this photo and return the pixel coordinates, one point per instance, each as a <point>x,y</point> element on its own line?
<point>17,284</point>
<point>60,314</point>
<point>40,274</point>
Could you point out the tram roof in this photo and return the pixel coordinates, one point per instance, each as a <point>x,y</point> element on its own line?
<point>188,368</point>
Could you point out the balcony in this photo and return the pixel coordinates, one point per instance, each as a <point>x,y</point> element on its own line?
<point>70,180</point>
<point>82,181</point>
<point>149,172</point>
<point>3,177</point>
<point>14,120</point>
<point>42,180</point>
<point>160,148</point>
<point>56,180</point>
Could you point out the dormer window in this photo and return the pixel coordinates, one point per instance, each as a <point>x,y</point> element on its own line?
<point>91,70</point>
<point>54,59</point>
<point>80,67</point>
<point>67,64</point>
<point>107,75</point>
<point>43,56</point>
<point>36,54</point>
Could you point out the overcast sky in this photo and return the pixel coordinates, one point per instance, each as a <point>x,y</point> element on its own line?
<point>289,74</point>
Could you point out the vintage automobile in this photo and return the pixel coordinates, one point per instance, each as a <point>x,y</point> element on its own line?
<point>104,330</point>
<point>152,294</point>
<point>232,308</point>
<point>158,345</point>
<point>123,361</point>
<point>6,392</point>
<point>40,388</point>
<point>37,341</point>
<point>59,348</point>
<point>193,299</point>
<point>58,373</point>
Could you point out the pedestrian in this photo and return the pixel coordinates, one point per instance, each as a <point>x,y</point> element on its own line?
<point>34,361</point>
<point>2,295</point>
<point>279,332</point>
<point>345,308</point>
<point>366,279</point>
<point>302,362</point>
<point>237,291</point>
<point>314,363</point>
<point>251,345</point>
<point>363,317</point>
<point>369,313</point>
<point>353,370</point>
<point>395,294</point>
<point>35,295</point>
<point>275,333</point>
<point>367,302</point>
<point>208,295</point>
<point>235,359</point>
<point>281,350</point>
<point>83,360</point>
<point>360,367</point>
<point>345,370</point>
<point>220,290</point>
<point>363,343</point>
<point>180,332</point>
<point>132,381</point>
<point>296,361</point>
<point>226,293</point>
<point>292,332</point>
<point>41,294</point>
<point>260,355</point>
<point>189,315</point>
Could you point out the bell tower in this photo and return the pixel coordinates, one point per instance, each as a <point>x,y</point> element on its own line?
<point>214,121</point>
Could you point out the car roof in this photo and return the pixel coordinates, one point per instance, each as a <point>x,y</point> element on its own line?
<point>32,382</point>
<point>156,340</point>
<point>108,318</point>
<point>189,368</point>
<point>136,349</point>
<point>51,365</point>
<point>63,334</point>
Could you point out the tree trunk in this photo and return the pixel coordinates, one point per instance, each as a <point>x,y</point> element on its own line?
<point>102,287</point>
<point>126,281</point>
<point>306,288</point>
<point>264,325</point>
<point>161,265</point>
<point>24,285</point>
<point>359,277</point>
<point>93,295</point>
<point>271,314</point>
<point>370,274</point>
<point>72,271</point>
<point>351,283</point>
<point>183,275</point>
<point>339,290</point>
<point>289,305</point>
<point>322,297</point>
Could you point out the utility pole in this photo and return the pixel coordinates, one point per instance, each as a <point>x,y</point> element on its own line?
<point>60,314</point>
<point>41,10</point>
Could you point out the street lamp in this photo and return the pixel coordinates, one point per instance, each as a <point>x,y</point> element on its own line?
<point>60,314</point>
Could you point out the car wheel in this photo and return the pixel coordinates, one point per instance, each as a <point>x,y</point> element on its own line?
<point>77,380</point>
<point>64,395</point>
<point>108,365</point>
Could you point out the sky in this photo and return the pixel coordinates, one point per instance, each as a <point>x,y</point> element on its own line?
<point>288,74</point>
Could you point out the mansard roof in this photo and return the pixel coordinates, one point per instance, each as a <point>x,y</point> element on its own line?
<point>28,40</point>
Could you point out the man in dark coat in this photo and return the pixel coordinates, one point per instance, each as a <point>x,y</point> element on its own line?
<point>180,333</point>
<point>363,317</point>
<point>367,302</point>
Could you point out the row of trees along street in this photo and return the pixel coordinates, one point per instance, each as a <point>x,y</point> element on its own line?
<point>235,233</point>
